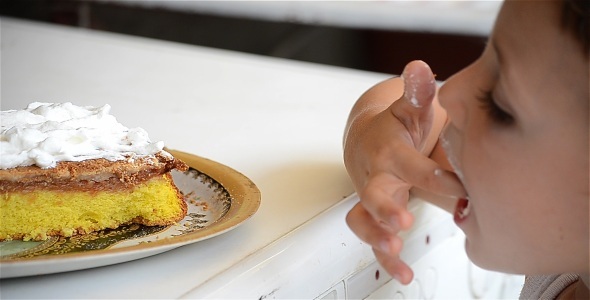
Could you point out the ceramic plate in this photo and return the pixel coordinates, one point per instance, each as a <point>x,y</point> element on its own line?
<point>218,197</point>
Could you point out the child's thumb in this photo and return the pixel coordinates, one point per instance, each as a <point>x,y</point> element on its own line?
<point>419,84</point>
<point>414,108</point>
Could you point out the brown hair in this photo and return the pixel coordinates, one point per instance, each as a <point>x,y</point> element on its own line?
<point>576,19</point>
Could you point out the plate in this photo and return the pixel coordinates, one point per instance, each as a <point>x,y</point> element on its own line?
<point>218,198</point>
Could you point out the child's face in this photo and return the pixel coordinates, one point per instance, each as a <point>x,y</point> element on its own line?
<point>518,139</point>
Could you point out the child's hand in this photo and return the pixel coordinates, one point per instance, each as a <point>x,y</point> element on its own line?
<point>386,151</point>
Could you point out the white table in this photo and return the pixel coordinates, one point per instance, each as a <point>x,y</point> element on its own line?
<point>278,122</point>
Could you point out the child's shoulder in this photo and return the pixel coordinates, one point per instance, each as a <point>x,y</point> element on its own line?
<point>562,286</point>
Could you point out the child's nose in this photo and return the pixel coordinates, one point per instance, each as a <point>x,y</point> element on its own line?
<point>450,97</point>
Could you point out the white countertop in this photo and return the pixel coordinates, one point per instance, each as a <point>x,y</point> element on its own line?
<point>278,122</point>
<point>464,17</point>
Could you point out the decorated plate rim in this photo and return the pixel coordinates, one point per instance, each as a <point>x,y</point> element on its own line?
<point>245,201</point>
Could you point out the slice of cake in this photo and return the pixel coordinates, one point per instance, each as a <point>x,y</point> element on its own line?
<point>68,170</point>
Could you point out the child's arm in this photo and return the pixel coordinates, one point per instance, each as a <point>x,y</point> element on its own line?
<point>387,145</point>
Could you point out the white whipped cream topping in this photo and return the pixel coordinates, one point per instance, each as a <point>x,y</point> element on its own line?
<point>46,133</point>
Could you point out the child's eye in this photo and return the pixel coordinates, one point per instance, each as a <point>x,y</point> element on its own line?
<point>494,111</point>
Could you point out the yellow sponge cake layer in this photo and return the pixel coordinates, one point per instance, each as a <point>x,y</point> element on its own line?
<point>67,170</point>
<point>37,214</point>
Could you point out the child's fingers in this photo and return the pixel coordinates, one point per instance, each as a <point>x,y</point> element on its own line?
<point>386,245</point>
<point>415,111</point>
<point>385,198</point>
<point>373,232</point>
<point>394,266</point>
<point>423,172</point>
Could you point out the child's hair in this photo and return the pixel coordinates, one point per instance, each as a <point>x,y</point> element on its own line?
<point>576,18</point>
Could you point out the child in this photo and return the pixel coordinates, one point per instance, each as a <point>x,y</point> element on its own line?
<point>511,163</point>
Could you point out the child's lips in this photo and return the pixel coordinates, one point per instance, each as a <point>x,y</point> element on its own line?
<point>462,210</point>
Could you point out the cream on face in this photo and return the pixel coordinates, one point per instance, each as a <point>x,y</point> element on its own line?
<point>463,206</point>
<point>451,156</point>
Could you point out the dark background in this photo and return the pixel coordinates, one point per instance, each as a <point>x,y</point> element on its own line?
<point>371,50</point>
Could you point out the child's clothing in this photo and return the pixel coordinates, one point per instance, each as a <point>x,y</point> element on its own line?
<point>546,286</point>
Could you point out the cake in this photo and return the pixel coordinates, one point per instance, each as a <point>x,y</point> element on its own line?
<point>67,170</point>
